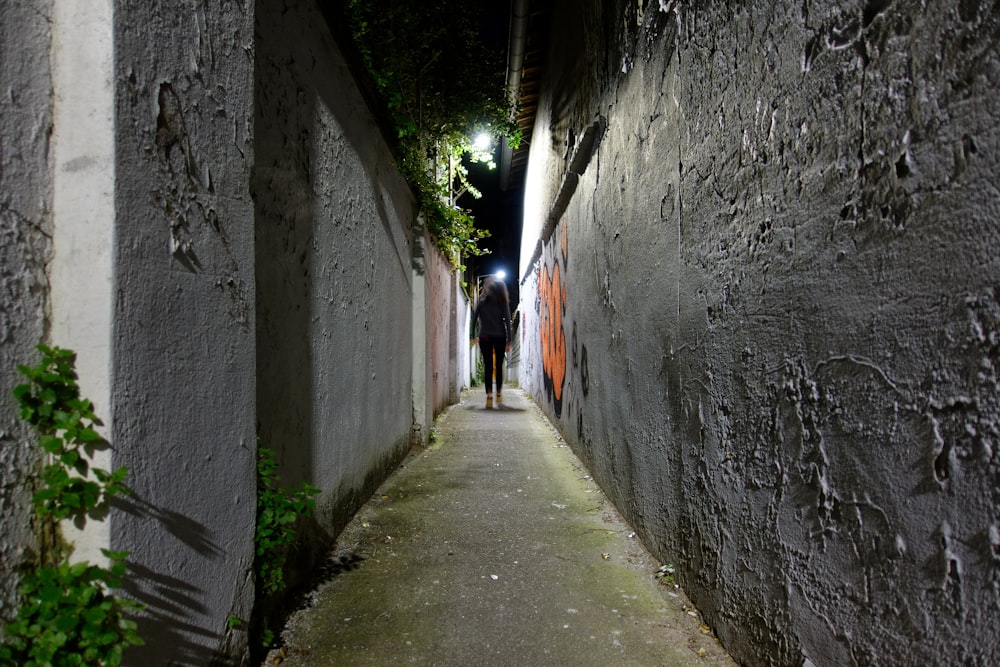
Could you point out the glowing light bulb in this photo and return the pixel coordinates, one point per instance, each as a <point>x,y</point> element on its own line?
<point>482,142</point>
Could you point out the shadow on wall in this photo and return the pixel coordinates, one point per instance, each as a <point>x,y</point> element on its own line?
<point>285,231</point>
<point>168,600</point>
<point>172,601</point>
<point>284,213</point>
<point>297,111</point>
<point>185,529</point>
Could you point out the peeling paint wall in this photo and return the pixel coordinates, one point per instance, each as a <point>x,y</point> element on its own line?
<point>784,249</point>
<point>183,386</point>
<point>25,251</point>
<point>334,249</point>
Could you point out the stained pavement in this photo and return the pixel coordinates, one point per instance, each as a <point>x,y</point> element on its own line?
<point>493,546</point>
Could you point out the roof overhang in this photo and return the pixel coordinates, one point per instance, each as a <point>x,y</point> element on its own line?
<point>525,57</point>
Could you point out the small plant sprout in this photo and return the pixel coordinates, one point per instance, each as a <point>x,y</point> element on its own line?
<point>278,513</point>
<point>278,510</point>
<point>666,574</point>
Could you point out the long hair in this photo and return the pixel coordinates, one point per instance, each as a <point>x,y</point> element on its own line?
<point>494,288</point>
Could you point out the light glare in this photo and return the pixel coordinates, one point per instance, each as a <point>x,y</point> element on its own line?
<point>482,142</point>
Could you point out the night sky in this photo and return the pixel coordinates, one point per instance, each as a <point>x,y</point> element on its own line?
<point>499,212</point>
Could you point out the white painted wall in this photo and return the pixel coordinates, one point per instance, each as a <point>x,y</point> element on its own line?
<point>83,209</point>
<point>422,391</point>
<point>461,320</point>
<point>538,192</point>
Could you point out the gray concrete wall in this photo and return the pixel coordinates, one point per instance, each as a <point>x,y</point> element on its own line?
<point>183,385</point>
<point>767,317</point>
<point>333,249</point>
<point>25,251</point>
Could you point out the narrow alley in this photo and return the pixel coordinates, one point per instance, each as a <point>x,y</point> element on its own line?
<point>752,258</point>
<point>493,546</point>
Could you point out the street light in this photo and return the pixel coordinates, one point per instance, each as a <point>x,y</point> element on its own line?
<point>499,274</point>
<point>482,142</point>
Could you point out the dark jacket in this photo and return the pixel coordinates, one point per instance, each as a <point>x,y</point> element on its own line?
<point>493,316</point>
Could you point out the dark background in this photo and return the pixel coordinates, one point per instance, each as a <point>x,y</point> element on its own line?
<point>498,212</point>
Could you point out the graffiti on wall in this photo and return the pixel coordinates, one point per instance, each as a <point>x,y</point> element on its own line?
<point>565,363</point>
<point>552,295</point>
<point>552,313</point>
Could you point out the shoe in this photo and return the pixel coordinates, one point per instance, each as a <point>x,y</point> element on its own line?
<point>489,401</point>
<point>499,398</point>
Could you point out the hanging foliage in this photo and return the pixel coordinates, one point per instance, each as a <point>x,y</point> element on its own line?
<point>442,83</point>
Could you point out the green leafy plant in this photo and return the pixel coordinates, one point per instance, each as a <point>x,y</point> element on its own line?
<point>267,637</point>
<point>278,511</point>
<point>442,84</point>
<point>453,229</point>
<point>67,614</point>
<point>479,376</point>
<point>68,617</point>
<point>51,402</point>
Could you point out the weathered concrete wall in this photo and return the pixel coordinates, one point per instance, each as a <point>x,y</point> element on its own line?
<point>334,249</point>
<point>441,308</point>
<point>183,387</point>
<point>25,250</point>
<point>221,233</point>
<point>768,316</point>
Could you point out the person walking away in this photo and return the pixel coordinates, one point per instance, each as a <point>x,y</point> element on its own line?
<point>493,316</point>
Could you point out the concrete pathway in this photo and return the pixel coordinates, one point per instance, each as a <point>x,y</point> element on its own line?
<point>494,547</point>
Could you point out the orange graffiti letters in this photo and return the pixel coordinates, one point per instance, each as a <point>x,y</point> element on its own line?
<point>552,295</point>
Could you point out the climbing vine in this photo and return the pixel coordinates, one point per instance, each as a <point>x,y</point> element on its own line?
<point>67,613</point>
<point>442,84</point>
